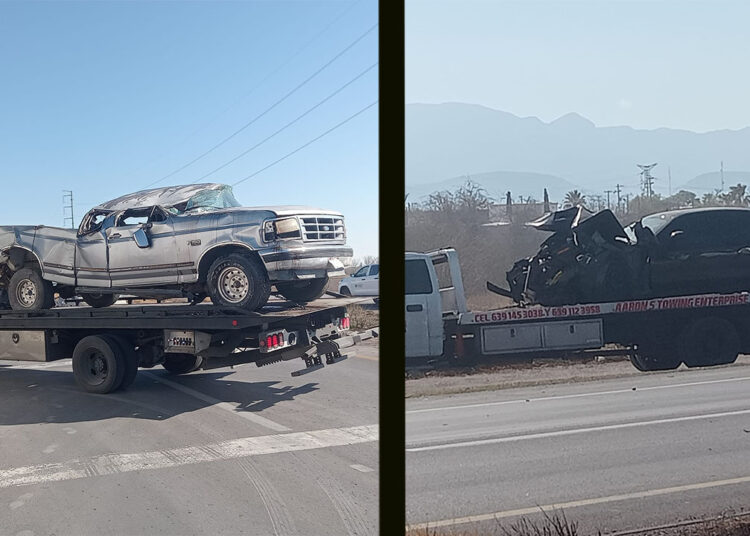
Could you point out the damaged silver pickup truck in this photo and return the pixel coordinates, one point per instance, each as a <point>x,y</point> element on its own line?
<point>592,258</point>
<point>187,241</point>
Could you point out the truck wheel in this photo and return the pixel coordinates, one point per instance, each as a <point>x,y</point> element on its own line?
<point>130,359</point>
<point>647,358</point>
<point>100,300</point>
<point>303,291</point>
<point>27,291</point>
<point>238,281</point>
<point>98,364</point>
<point>345,291</point>
<point>182,363</point>
<point>709,341</point>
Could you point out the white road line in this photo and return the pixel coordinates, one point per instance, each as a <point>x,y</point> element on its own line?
<point>573,431</point>
<point>582,502</point>
<point>577,395</point>
<point>40,366</point>
<point>249,415</point>
<point>362,468</point>
<point>113,464</point>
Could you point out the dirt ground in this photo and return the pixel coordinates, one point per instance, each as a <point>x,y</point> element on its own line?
<point>540,372</point>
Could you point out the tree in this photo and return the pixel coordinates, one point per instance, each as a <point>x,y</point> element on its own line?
<point>736,196</point>
<point>711,199</point>
<point>575,198</point>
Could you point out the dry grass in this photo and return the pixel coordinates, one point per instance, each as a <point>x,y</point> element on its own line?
<point>364,316</point>
<point>556,524</point>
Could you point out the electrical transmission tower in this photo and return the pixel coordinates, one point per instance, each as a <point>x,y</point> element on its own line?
<point>647,180</point>
<point>68,206</point>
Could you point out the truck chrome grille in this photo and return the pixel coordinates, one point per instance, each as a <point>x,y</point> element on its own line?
<point>323,228</point>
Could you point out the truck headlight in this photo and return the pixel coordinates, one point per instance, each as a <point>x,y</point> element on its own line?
<point>287,228</point>
<point>281,228</point>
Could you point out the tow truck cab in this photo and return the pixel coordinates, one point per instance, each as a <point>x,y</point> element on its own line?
<point>434,293</point>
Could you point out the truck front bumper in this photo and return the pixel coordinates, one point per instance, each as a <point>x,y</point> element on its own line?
<point>307,262</point>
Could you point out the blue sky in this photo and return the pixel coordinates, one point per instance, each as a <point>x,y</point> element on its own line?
<point>105,98</point>
<point>646,64</point>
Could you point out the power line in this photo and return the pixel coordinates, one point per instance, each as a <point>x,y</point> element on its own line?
<point>293,121</point>
<point>256,86</point>
<point>264,112</point>
<point>298,149</point>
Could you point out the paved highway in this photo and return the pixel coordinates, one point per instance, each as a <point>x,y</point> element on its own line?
<point>615,455</point>
<point>226,451</point>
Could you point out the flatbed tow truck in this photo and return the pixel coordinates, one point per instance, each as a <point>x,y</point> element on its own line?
<point>656,334</point>
<point>108,345</point>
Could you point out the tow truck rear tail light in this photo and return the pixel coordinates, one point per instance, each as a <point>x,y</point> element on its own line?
<point>345,323</point>
<point>281,339</point>
<point>275,341</point>
<point>269,342</point>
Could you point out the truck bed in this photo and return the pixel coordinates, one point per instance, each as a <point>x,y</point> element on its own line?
<point>204,316</point>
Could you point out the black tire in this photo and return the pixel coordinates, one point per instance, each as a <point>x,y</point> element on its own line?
<point>238,281</point>
<point>647,358</point>
<point>182,363</point>
<point>27,291</point>
<point>345,291</point>
<point>709,341</point>
<point>98,364</point>
<point>303,291</point>
<point>130,360</point>
<point>100,300</point>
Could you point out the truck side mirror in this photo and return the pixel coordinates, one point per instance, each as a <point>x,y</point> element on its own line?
<point>141,238</point>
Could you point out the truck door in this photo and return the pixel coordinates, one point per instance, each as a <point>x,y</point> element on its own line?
<point>131,264</point>
<point>424,334</point>
<point>91,250</point>
<point>372,288</point>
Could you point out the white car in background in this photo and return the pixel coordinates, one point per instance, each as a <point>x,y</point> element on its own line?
<point>364,282</point>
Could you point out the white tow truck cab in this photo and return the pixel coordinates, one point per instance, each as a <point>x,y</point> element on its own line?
<point>428,303</point>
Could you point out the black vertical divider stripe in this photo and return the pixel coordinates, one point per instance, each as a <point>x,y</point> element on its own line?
<point>391,146</point>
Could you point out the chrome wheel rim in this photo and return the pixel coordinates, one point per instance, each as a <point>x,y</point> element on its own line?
<point>26,293</point>
<point>233,284</point>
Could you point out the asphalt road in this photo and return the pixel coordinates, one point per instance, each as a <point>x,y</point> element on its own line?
<point>614,455</point>
<point>229,451</point>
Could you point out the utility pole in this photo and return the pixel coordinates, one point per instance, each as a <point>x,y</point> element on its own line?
<point>618,190</point>
<point>609,192</point>
<point>68,195</point>
<point>721,169</point>
<point>669,174</point>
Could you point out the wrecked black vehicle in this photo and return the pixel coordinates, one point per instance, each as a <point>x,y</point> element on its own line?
<point>590,257</point>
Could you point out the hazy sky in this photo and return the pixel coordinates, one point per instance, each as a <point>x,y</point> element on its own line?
<point>105,98</point>
<point>645,64</point>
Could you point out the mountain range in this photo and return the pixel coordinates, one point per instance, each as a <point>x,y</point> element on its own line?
<point>447,143</point>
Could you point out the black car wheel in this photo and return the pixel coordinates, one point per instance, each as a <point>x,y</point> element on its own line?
<point>27,291</point>
<point>100,300</point>
<point>303,291</point>
<point>238,281</point>
<point>709,341</point>
<point>345,291</point>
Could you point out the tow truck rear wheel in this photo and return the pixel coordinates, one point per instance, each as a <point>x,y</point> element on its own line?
<point>648,358</point>
<point>709,341</point>
<point>27,291</point>
<point>306,290</point>
<point>98,364</point>
<point>182,363</point>
<point>130,361</point>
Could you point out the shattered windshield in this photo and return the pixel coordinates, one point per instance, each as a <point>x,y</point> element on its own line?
<point>655,222</point>
<point>206,200</point>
